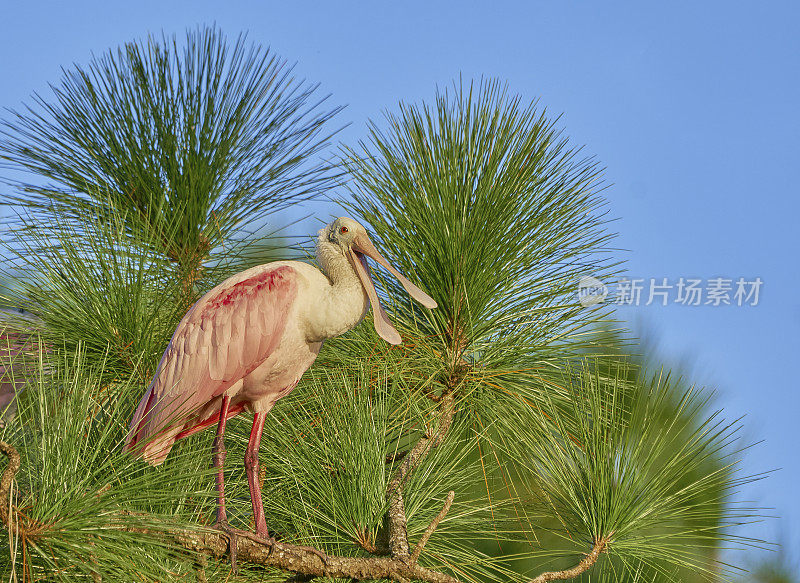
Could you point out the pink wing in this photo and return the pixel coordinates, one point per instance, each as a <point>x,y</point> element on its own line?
<point>226,335</point>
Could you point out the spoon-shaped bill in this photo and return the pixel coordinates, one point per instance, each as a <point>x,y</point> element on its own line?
<point>362,244</point>
<point>383,326</point>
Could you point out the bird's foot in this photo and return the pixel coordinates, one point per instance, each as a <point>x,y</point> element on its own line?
<point>266,538</point>
<point>323,557</point>
<point>260,536</point>
<point>232,534</point>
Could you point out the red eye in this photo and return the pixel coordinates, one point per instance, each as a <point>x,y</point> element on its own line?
<point>343,230</point>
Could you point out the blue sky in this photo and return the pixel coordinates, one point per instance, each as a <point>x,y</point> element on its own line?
<point>691,107</point>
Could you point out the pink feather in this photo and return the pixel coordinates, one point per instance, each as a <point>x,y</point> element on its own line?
<point>226,335</point>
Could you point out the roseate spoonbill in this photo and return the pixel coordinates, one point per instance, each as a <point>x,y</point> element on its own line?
<point>246,343</point>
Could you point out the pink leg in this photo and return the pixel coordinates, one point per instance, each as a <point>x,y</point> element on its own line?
<point>252,466</point>
<point>219,460</point>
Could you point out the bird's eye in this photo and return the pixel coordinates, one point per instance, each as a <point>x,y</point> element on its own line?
<point>343,230</point>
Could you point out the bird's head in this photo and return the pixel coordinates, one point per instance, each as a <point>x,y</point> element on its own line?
<point>352,241</point>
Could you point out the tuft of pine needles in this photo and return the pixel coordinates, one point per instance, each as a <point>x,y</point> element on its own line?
<point>481,197</point>
<point>191,142</point>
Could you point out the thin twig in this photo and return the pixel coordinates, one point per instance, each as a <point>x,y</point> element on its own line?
<point>432,527</point>
<point>584,565</point>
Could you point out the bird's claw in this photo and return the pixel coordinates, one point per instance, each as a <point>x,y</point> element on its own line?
<point>264,537</point>
<point>322,556</point>
<point>259,537</point>
<point>231,533</point>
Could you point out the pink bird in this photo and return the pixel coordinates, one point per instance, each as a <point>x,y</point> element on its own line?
<point>246,343</point>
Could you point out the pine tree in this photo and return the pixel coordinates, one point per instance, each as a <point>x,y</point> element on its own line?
<point>505,439</point>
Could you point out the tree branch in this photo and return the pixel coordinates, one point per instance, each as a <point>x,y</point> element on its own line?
<point>584,565</point>
<point>297,559</point>
<point>14,462</point>
<point>432,526</point>
<point>398,531</point>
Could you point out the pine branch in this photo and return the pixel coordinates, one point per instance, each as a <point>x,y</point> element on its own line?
<point>587,562</point>
<point>14,462</point>
<point>307,562</point>
<point>398,531</point>
<point>300,560</point>
<point>396,457</point>
<point>432,527</point>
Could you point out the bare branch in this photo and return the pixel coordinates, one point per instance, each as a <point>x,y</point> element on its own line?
<point>584,565</point>
<point>306,561</point>
<point>398,525</point>
<point>11,470</point>
<point>432,527</point>
<point>398,532</point>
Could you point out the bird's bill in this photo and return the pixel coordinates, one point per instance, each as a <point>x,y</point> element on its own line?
<point>362,244</point>
<point>383,326</point>
<point>361,248</point>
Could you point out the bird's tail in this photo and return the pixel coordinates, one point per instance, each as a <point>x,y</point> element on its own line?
<point>142,440</point>
<point>151,438</point>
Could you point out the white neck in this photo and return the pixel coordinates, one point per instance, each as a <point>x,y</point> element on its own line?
<point>344,302</point>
